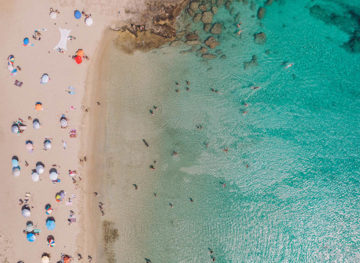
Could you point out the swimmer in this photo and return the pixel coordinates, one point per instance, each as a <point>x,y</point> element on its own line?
<point>255,87</point>
<point>289,65</point>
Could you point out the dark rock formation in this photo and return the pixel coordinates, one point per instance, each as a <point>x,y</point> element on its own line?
<point>214,10</point>
<point>207,27</point>
<point>197,18</point>
<point>216,29</point>
<point>192,37</point>
<point>260,38</point>
<point>252,62</point>
<point>353,45</point>
<point>211,42</point>
<point>261,12</point>
<point>194,6</point>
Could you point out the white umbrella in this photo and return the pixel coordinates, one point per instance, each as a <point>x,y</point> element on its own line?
<point>53,175</point>
<point>45,259</point>
<point>63,122</point>
<point>36,124</point>
<point>29,227</point>
<point>15,128</point>
<point>16,171</point>
<point>44,79</point>
<point>89,21</point>
<point>47,144</point>
<point>39,168</point>
<point>29,146</point>
<point>35,176</point>
<point>26,212</point>
<point>53,15</point>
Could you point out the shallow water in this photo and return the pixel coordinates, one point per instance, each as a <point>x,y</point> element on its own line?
<point>292,166</point>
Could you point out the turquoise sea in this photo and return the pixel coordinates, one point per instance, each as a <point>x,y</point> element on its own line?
<point>273,172</point>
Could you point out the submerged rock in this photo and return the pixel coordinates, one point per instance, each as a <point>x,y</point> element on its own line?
<point>216,29</point>
<point>220,3</point>
<point>176,43</point>
<point>261,12</point>
<point>193,42</point>
<point>269,2</point>
<point>203,8</point>
<point>207,17</point>
<point>214,10</point>
<point>203,50</point>
<point>197,18</point>
<point>190,12</point>
<point>207,27</point>
<point>260,38</point>
<point>194,6</point>
<point>353,45</point>
<point>208,56</point>
<point>192,37</point>
<point>211,42</point>
<point>252,62</point>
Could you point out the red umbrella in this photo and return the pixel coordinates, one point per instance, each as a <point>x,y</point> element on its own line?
<point>78,59</point>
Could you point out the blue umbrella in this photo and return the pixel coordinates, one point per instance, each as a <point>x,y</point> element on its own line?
<point>15,163</point>
<point>50,224</point>
<point>77,14</point>
<point>26,41</point>
<point>30,237</point>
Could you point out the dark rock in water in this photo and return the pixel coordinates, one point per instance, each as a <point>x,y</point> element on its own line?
<point>220,3</point>
<point>216,29</point>
<point>267,52</point>
<point>261,12</point>
<point>353,45</point>
<point>197,18</point>
<point>192,37</point>
<point>193,42</point>
<point>207,17</point>
<point>190,12</point>
<point>207,27</point>
<point>214,10</point>
<point>252,62</point>
<point>203,50</point>
<point>223,57</point>
<point>194,6</point>
<point>208,56</point>
<point>269,2</point>
<point>211,42</point>
<point>203,8</point>
<point>260,38</point>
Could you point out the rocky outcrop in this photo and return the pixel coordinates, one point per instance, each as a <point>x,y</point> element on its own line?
<point>194,6</point>
<point>207,17</point>
<point>192,37</point>
<point>197,18</point>
<point>153,27</point>
<point>261,12</point>
<point>353,45</point>
<point>216,29</point>
<point>211,42</point>
<point>260,38</point>
<point>207,27</point>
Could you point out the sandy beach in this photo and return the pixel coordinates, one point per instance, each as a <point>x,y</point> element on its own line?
<point>20,19</point>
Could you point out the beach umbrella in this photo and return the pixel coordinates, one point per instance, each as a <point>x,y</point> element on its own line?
<point>47,144</point>
<point>26,41</point>
<point>89,21</point>
<point>80,52</point>
<point>48,209</point>
<point>26,211</point>
<point>53,15</point>
<point>66,259</point>
<point>51,241</point>
<point>10,66</point>
<point>45,259</point>
<point>78,59</point>
<point>29,146</point>
<point>15,128</point>
<point>53,175</point>
<point>36,124</point>
<point>14,162</point>
<point>50,224</point>
<point>29,227</point>
<point>35,176</point>
<point>63,122</point>
<point>16,171</point>
<point>11,59</point>
<point>77,14</point>
<point>39,168</point>
<point>38,106</point>
<point>30,237</point>
<point>44,78</point>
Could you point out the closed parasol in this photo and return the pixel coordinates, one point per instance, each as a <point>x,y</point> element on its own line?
<point>53,175</point>
<point>38,106</point>
<point>25,211</point>
<point>45,259</point>
<point>63,121</point>
<point>47,144</point>
<point>29,146</point>
<point>51,241</point>
<point>50,223</point>
<point>15,128</point>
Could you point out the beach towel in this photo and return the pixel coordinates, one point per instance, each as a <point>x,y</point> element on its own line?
<point>64,33</point>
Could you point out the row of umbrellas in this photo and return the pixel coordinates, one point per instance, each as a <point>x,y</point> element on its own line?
<point>18,126</point>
